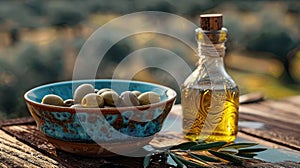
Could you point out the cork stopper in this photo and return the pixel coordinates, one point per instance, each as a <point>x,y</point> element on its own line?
<point>211,22</point>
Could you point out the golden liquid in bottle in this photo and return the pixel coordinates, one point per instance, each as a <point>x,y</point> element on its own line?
<point>210,115</point>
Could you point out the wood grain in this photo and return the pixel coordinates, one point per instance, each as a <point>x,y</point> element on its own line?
<point>31,135</point>
<point>63,159</point>
<point>280,119</point>
<point>14,153</point>
<point>17,121</point>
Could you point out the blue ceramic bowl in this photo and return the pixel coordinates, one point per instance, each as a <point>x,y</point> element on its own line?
<point>85,130</point>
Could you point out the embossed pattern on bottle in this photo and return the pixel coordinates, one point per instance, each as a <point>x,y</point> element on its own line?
<point>207,121</point>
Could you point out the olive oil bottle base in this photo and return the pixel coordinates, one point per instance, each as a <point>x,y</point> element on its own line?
<point>211,138</point>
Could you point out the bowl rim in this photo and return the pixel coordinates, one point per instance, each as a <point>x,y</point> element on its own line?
<point>112,109</point>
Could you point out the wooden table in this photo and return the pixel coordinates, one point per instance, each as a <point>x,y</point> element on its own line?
<point>272,123</point>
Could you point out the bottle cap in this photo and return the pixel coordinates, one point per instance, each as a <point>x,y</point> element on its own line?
<point>211,22</point>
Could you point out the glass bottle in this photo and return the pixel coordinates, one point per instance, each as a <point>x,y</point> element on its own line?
<point>209,96</point>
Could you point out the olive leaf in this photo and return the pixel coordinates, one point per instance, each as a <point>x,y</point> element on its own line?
<point>221,151</point>
<point>187,162</point>
<point>177,161</point>
<point>246,155</point>
<point>205,146</point>
<point>251,150</point>
<point>146,161</point>
<point>226,156</point>
<point>203,157</point>
<point>184,146</point>
<point>240,145</point>
<point>229,150</point>
<point>196,156</point>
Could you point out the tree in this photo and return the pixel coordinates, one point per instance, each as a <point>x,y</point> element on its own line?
<point>280,44</point>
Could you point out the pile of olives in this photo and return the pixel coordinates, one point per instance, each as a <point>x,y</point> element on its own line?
<point>87,96</point>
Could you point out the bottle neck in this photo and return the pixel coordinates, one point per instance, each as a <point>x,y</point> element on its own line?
<point>211,48</point>
<point>211,57</point>
<point>211,43</point>
<point>210,71</point>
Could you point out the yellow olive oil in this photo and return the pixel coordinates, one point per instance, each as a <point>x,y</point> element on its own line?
<point>210,115</point>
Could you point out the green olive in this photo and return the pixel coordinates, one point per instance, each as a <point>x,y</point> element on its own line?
<point>148,98</point>
<point>111,98</point>
<point>137,93</point>
<point>81,91</point>
<point>104,90</point>
<point>129,99</point>
<point>53,99</point>
<point>69,102</point>
<point>92,100</point>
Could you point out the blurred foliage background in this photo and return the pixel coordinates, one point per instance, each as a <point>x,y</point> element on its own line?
<point>40,40</point>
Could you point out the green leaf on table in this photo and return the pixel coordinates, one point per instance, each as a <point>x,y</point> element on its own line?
<point>221,151</point>
<point>203,161</point>
<point>226,156</point>
<point>187,162</point>
<point>251,150</point>
<point>204,158</point>
<point>240,145</point>
<point>146,161</point>
<point>247,155</point>
<point>229,150</point>
<point>184,146</point>
<point>205,146</point>
<point>176,160</point>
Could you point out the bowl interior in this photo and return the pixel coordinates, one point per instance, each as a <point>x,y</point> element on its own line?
<point>65,89</point>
